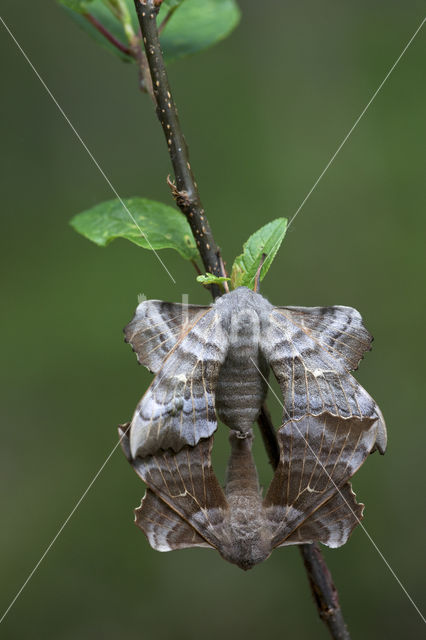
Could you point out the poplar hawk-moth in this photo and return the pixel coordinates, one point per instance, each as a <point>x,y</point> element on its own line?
<point>309,499</point>
<point>212,362</point>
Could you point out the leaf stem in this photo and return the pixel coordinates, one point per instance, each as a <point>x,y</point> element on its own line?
<point>166,19</point>
<point>184,190</point>
<point>128,51</point>
<point>269,438</point>
<point>196,267</point>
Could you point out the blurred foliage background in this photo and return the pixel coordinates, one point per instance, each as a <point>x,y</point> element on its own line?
<point>262,112</point>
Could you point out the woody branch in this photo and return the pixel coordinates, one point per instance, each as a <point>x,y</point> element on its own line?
<point>184,189</point>
<point>321,582</point>
<point>185,192</point>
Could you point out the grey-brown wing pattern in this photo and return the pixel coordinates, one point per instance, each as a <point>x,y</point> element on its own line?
<point>185,504</point>
<point>318,455</point>
<point>156,328</point>
<point>311,352</point>
<point>165,529</point>
<point>309,499</point>
<point>178,408</point>
<point>332,523</point>
<point>338,330</point>
<point>331,424</point>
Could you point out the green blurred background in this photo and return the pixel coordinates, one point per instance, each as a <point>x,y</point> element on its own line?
<point>262,112</point>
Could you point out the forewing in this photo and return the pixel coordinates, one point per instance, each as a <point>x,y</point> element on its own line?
<point>178,409</point>
<point>318,455</point>
<point>337,330</point>
<point>311,352</point>
<point>156,328</point>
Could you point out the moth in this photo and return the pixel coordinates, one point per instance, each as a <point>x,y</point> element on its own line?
<point>309,499</point>
<point>212,362</point>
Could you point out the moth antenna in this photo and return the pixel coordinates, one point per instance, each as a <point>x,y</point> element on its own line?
<point>223,271</point>
<point>257,276</point>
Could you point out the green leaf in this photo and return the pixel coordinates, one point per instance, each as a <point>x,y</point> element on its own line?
<point>209,278</point>
<point>197,25</point>
<point>154,225</point>
<point>267,240</point>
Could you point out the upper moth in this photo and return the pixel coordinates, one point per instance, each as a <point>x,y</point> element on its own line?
<point>213,362</point>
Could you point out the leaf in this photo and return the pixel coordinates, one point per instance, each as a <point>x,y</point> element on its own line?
<point>267,240</point>
<point>197,25</point>
<point>154,225</point>
<point>209,278</point>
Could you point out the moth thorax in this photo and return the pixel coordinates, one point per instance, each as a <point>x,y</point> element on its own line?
<point>245,329</point>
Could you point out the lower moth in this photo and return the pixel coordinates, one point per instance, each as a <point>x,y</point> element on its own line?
<point>310,498</point>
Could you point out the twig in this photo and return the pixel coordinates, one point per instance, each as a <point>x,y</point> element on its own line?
<point>145,82</point>
<point>187,198</point>
<point>269,438</point>
<point>185,189</point>
<point>320,579</point>
<point>324,592</point>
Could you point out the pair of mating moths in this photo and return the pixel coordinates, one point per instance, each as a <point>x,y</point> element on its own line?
<point>213,363</point>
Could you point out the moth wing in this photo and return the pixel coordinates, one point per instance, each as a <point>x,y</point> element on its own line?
<point>156,327</point>
<point>186,487</point>
<point>332,523</point>
<point>338,330</point>
<point>318,455</point>
<point>178,408</point>
<point>311,351</point>
<point>123,433</point>
<point>164,528</point>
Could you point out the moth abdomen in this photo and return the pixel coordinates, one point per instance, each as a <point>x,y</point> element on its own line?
<point>241,390</point>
